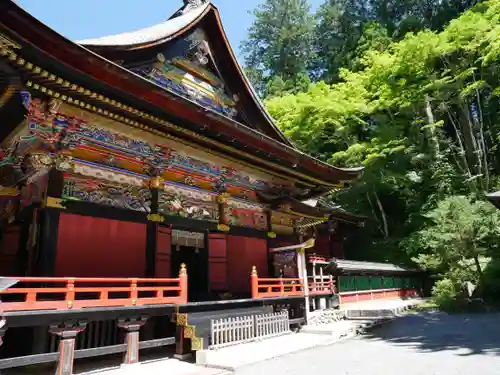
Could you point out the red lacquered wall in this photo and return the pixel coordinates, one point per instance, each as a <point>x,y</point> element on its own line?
<point>96,247</point>
<point>243,253</point>
<point>256,255</point>
<point>321,246</point>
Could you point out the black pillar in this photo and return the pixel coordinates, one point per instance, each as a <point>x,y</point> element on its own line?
<point>48,225</point>
<point>27,219</point>
<point>47,242</point>
<point>154,218</point>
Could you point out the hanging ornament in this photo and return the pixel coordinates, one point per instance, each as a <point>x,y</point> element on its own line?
<point>196,250</point>
<point>177,247</point>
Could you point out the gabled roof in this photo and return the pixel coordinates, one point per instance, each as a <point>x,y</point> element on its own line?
<point>185,19</point>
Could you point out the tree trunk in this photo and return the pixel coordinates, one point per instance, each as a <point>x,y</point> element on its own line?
<point>432,131</point>
<point>479,270</point>
<point>382,214</point>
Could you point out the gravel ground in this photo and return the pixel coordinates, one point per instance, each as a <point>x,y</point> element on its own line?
<point>417,344</point>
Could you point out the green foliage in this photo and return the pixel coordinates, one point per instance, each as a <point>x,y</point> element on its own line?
<point>445,294</point>
<point>422,115</point>
<point>461,235</point>
<point>410,90</point>
<point>278,43</point>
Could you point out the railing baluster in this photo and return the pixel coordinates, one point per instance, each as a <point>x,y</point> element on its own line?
<point>70,292</point>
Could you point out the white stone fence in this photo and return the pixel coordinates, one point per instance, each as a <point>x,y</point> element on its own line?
<point>231,331</point>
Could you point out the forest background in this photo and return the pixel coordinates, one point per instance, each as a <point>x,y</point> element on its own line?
<point>410,90</point>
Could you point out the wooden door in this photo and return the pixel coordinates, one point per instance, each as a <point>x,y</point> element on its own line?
<point>163,255</point>
<point>217,262</point>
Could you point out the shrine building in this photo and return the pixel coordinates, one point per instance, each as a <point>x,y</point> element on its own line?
<point>144,187</point>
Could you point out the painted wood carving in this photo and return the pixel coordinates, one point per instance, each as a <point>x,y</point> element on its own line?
<point>107,193</point>
<point>243,214</point>
<point>189,203</point>
<point>186,69</point>
<point>49,131</point>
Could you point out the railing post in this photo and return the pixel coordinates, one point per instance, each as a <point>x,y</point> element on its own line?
<point>67,333</point>
<point>70,292</point>
<point>133,291</point>
<point>282,287</point>
<point>254,282</point>
<point>183,283</point>
<point>131,327</point>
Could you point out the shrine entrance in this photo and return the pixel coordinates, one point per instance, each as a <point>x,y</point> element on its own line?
<point>190,248</point>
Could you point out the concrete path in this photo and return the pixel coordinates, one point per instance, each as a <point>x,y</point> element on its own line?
<point>234,357</point>
<point>168,366</point>
<point>418,344</point>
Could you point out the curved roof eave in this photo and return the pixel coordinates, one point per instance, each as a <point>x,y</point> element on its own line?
<point>249,86</point>
<point>161,32</point>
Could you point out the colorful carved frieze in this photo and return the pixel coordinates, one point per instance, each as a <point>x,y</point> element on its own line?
<point>188,202</point>
<point>49,130</point>
<point>107,193</point>
<point>185,69</point>
<point>283,223</point>
<point>280,218</point>
<point>243,214</point>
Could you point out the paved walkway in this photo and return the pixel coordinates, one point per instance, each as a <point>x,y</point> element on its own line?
<point>234,357</point>
<point>417,344</point>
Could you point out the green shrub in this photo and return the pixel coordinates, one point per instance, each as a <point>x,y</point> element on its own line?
<point>445,294</point>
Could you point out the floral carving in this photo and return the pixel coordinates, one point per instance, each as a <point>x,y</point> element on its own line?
<point>123,196</point>
<point>177,204</point>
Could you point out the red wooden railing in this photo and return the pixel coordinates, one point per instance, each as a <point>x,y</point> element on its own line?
<point>281,287</point>
<point>285,287</point>
<point>373,294</point>
<point>63,293</point>
<point>321,287</point>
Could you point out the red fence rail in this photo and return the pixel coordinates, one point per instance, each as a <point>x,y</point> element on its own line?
<point>321,287</point>
<point>286,287</point>
<point>63,293</point>
<point>374,294</point>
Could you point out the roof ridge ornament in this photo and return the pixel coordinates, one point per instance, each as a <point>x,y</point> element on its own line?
<point>192,4</point>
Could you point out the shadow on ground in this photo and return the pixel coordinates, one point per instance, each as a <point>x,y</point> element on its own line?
<point>433,331</point>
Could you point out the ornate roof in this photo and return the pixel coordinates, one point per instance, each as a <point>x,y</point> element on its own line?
<point>163,31</point>
<point>93,75</point>
<point>183,20</point>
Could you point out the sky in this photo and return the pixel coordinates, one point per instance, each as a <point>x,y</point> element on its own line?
<point>86,19</point>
